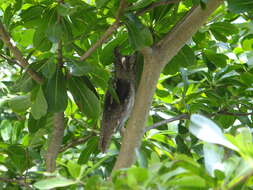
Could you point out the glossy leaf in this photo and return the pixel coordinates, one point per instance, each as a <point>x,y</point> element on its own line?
<point>208,131</point>
<point>53,183</point>
<point>20,103</point>
<point>213,156</point>
<point>40,40</point>
<point>56,92</point>
<point>39,105</point>
<point>240,6</point>
<point>139,35</point>
<point>86,100</point>
<point>91,147</point>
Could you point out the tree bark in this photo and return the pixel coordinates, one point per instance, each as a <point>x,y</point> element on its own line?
<point>155,59</point>
<point>54,144</point>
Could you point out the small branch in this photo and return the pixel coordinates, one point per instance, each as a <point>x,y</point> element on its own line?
<point>18,55</point>
<point>9,59</point>
<point>107,33</point>
<point>179,117</point>
<point>156,4</point>
<point>187,116</point>
<point>17,181</point>
<point>242,180</point>
<point>76,142</point>
<point>234,113</point>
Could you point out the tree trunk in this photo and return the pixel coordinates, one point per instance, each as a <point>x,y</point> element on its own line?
<point>154,61</point>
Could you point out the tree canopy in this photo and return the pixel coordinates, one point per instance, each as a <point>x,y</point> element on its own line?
<point>191,124</point>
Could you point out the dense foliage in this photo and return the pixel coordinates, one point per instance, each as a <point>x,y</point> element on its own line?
<point>203,99</point>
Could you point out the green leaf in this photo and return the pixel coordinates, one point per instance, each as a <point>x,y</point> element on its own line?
<point>40,41</point>
<point>54,32</point>
<point>206,130</point>
<point>139,35</point>
<point>139,4</point>
<point>91,147</point>
<point>247,42</point>
<point>247,78</point>
<point>137,174</point>
<point>64,9</point>
<point>222,29</point>
<point>32,16</point>
<point>184,58</point>
<point>86,100</point>
<point>219,60</point>
<point>19,157</point>
<point>39,105</point>
<point>49,68</point>
<point>20,103</point>
<point>74,169</point>
<point>5,130</point>
<point>189,182</point>
<point>83,68</point>
<point>101,3</point>
<point>213,156</point>
<point>241,6</point>
<point>34,125</point>
<point>56,92</point>
<point>53,183</point>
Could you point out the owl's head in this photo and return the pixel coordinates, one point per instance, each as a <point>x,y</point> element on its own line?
<point>124,65</point>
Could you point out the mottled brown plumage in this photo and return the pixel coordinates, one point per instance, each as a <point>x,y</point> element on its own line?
<point>116,112</point>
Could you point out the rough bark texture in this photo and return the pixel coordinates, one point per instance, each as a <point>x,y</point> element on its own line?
<point>55,141</point>
<point>154,61</point>
<point>18,55</point>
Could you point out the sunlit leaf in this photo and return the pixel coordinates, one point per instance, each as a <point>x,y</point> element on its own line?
<point>206,130</point>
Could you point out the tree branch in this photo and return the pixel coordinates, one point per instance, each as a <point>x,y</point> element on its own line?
<point>17,181</point>
<point>234,113</point>
<point>55,141</point>
<point>179,117</point>
<point>242,180</point>
<point>154,61</point>
<point>76,142</point>
<point>108,32</point>
<point>18,55</point>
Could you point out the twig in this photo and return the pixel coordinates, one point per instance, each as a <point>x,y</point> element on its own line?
<point>156,4</point>
<point>107,33</point>
<point>242,180</point>
<point>179,117</point>
<point>9,59</point>
<point>234,113</point>
<point>17,181</point>
<point>18,55</point>
<point>76,142</point>
<point>187,116</point>
<point>117,23</point>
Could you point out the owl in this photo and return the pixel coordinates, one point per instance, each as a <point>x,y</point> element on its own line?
<point>117,109</point>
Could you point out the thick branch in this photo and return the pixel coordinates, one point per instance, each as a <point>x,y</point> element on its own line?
<point>107,33</point>
<point>18,55</point>
<point>154,61</point>
<point>55,141</point>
